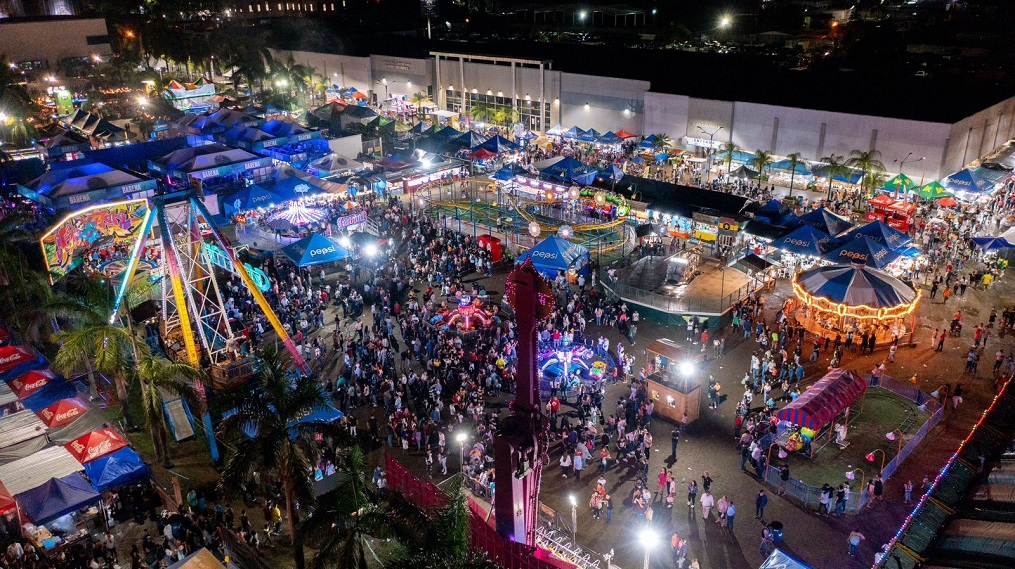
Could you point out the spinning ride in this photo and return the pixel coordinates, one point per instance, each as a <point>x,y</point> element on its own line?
<point>572,365</point>
<point>298,214</point>
<point>470,314</point>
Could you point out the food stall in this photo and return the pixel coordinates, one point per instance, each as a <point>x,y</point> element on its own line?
<point>898,215</point>
<point>674,380</point>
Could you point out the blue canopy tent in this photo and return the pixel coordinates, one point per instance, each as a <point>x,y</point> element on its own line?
<point>53,392</point>
<point>590,135</point>
<point>573,133</point>
<point>508,173</point>
<point>294,187</point>
<point>775,213</point>
<point>251,197</point>
<point>468,139</point>
<point>315,249</point>
<point>609,138</point>
<point>780,560</point>
<point>649,143</point>
<point>566,169</point>
<point>498,145</point>
<point>555,254</point>
<point>787,166</point>
<point>420,128</point>
<point>846,175</point>
<point>585,179</point>
<point>884,235</point>
<point>118,469</point>
<point>445,134</point>
<point>991,243</point>
<point>57,497</point>
<point>611,173</point>
<point>826,221</point>
<point>967,182</point>
<point>804,240</point>
<point>556,130</point>
<point>863,250</point>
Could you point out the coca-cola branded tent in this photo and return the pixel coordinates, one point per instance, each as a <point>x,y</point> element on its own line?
<point>62,413</point>
<point>97,443</point>
<point>16,360</point>
<point>85,423</point>
<point>28,383</point>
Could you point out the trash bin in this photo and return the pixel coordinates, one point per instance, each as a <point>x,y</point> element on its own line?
<point>776,529</point>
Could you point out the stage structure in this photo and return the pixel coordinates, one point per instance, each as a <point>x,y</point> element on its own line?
<point>520,444</point>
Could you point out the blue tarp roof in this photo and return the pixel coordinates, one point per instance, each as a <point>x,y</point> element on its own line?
<point>315,250</point>
<point>57,497</point>
<point>800,168</point>
<point>649,142</point>
<point>882,234</point>
<point>509,172</point>
<point>863,249</point>
<point>117,469</point>
<point>780,560</point>
<point>611,173</point>
<point>53,392</point>
<point>992,243</point>
<point>968,182</point>
<point>573,132</point>
<point>446,134</point>
<point>804,240</point>
<point>556,254</point>
<point>826,221</point>
<point>566,169</point>
<point>294,187</point>
<point>251,197</point>
<point>610,138</point>
<point>848,175</point>
<point>498,144</point>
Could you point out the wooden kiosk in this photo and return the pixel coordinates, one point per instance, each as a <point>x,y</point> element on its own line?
<point>674,380</point>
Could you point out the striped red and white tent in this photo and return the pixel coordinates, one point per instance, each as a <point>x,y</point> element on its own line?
<point>826,399</point>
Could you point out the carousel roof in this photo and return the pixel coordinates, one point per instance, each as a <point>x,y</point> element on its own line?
<point>854,285</point>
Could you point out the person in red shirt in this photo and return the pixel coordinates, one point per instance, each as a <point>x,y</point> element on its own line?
<point>554,405</point>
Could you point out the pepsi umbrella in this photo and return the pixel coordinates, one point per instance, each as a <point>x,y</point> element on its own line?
<point>611,173</point>
<point>556,130</point>
<point>590,135</point>
<point>610,138</point>
<point>991,243</point>
<point>884,235</point>
<point>573,133</point>
<point>826,221</point>
<point>863,250</point>
<point>804,240</point>
<point>315,249</point>
<point>966,181</point>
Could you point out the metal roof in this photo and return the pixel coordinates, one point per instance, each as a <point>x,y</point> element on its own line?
<point>33,471</point>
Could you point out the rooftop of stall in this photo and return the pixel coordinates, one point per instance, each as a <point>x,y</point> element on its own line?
<point>209,161</point>
<point>68,185</point>
<point>673,356</point>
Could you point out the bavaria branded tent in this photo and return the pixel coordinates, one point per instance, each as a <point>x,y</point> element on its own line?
<point>900,183</point>
<point>554,254</point>
<point>825,399</point>
<point>315,249</point>
<point>882,234</point>
<point>804,240</point>
<point>57,497</point>
<point>95,444</point>
<point>117,469</point>
<point>863,250</point>
<point>16,360</point>
<point>826,221</point>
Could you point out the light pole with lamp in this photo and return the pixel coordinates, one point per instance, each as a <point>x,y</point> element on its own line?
<point>283,84</point>
<point>574,518</point>
<point>851,475</point>
<point>872,456</point>
<point>902,164</point>
<point>896,434</point>
<point>649,540</point>
<point>461,438</point>
<point>711,150</point>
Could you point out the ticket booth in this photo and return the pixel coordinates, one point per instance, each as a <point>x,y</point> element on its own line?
<point>491,244</point>
<point>674,380</point>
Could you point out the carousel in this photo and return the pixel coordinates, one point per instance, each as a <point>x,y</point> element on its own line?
<point>839,299</point>
<point>469,315</point>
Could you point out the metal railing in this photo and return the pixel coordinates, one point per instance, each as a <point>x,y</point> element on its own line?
<point>713,306</point>
<point>810,496</point>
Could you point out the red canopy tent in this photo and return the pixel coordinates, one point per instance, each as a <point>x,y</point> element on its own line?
<point>95,444</point>
<point>483,154</point>
<point>827,398</point>
<point>30,382</point>
<point>62,413</point>
<point>7,502</point>
<point>13,356</point>
<point>624,134</point>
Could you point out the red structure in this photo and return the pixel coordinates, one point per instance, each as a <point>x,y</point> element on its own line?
<point>521,440</point>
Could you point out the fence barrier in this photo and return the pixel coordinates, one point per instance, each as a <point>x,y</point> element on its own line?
<point>810,495</point>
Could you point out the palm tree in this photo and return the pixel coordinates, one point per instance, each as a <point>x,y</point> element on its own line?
<point>420,100</point>
<point>762,161</point>
<point>481,112</point>
<point>270,439</point>
<point>14,98</point>
<point>729,149</point>
<point>794,159</point>
<point>505,115</point>
<point>836,165</point>
<point>94,340</point>
<point>867,162</point>
<point>25,289</point>
<point>156,376</point>
<point>662,142</point>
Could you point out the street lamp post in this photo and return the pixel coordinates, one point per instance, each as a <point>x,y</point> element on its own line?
<point>711,150</point>
<point>574,518</point>
<point>872,456</point>
<point>649,540</point>
<point>902,164</point>
<point>461,438</point>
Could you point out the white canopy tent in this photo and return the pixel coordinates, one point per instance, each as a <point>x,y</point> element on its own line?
<point>33,471</point>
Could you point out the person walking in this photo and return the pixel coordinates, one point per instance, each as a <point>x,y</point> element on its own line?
<point>674,439</point>
<point>783,479</point>
<point>721,508</point>
<point>760,501</point>
<point>731,511</point>
<point>855,537</point>
<point>565,463</point>
<point>692,493</point>
<point>907,490</point>
<point>579,464</point>
<point>609,509</point>
<point>707,501</point>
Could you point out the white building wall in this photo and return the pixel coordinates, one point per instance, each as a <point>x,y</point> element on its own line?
<point>979,133</point>
<point>404,75</point>
<point>344,70</point>
<point>603,103</point>
<point>52,40</point>
<point>665,113</point>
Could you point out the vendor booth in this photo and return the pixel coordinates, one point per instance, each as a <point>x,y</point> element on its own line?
<point>56,498</point>
<point>864,250</point>
<point>674,382</point>
<point>803,420</point>
<point>117,469</point>
<point>555,256</point>
<point>9,402</point>
<point>249,198</point>
<point>95,444</point>
<point>883,234</point>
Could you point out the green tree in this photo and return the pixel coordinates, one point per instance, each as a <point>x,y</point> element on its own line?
<point>263,420</point>
<point>420,100</point>
<point>762,161</point>
<point>794,159</point>
<point>662,142</point>
<point>156,376</point>
<point>729,149</point>
<point>836,166</point>
<point>867,162</point>
<point>93,340</point>
<point>482,112</point>
<point>25,289</point>
<point>14,98</point>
